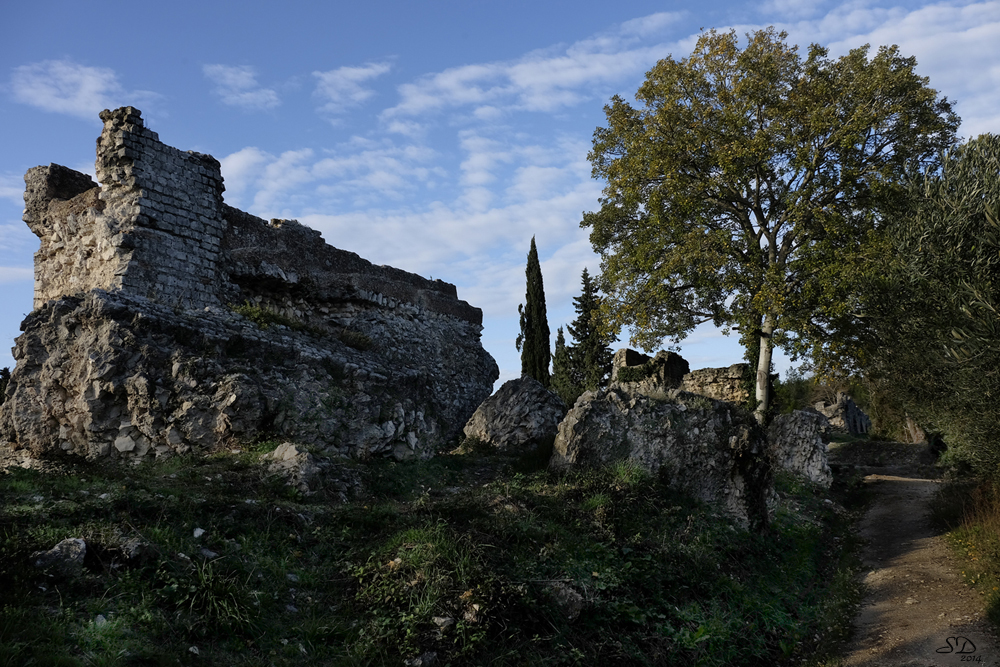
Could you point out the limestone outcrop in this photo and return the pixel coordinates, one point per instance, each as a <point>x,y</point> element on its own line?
<point>166,321</point>
<point>521,417</point>
<point>712,450</point>
<point>799,444</point>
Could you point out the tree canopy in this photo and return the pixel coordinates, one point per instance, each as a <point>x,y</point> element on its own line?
<point>745,183</point>
<point>932,349</point>
<point>533,341</point>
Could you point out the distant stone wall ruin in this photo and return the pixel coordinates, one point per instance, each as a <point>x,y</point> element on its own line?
<point>668,370</point>
<point>134,348</point>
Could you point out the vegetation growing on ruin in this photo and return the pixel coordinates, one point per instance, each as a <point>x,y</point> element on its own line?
<point>263,317</point>
<point>461,556</point>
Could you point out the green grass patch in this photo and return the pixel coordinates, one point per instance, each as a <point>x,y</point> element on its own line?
<point>972,512</point>
<point>467,556</point>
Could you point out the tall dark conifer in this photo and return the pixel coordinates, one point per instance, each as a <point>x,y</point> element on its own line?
<point>563,382</point>
<point>591,353</point>
<point>533,342</point>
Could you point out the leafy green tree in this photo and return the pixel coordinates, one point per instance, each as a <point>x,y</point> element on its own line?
<point>932,351</point>
<point>563,381</point>
<point>591,352</point>
<point>744,187</point>
<point>533,341</point>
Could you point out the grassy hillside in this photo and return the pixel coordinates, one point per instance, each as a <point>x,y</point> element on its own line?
<point>466,559</point>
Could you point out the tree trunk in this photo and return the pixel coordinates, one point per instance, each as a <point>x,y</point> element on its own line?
<point>764,370</point>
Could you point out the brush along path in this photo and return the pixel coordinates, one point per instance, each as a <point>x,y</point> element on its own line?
<point>918,611</point>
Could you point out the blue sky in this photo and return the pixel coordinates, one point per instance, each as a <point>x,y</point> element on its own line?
<point>437,136</point>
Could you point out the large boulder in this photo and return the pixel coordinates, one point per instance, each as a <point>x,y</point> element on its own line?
<point>712,450</point>
<point>799,444</point>
<point>521,417</point>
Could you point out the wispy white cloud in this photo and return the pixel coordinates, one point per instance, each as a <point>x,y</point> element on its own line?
<point>544,80</point>
<point>17,240</point>
<point>358,174</point>
<point>12,274</point>
<point>64,86</point>
<point>792,9</point>
<point>12,188</point>
<point>238,87</point>
<point>342,88</point>
<point>241,171</point>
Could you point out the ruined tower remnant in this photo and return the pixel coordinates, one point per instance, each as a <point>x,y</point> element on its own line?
<point>140,342</point>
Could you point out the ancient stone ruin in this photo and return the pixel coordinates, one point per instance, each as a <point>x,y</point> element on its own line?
<point>844,415</point>
<point>668,370</point>
<point>166,321</point>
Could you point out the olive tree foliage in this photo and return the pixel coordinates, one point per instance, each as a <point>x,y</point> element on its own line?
<point>744,183</point>
<point>932,351</point>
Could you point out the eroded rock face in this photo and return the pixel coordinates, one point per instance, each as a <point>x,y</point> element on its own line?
<point>522,416</point>
<point>710,449</point>
<point>799,444</point>
<point>645,374</point>
<point>134,348</point>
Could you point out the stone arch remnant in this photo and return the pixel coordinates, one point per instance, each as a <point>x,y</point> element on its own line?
<point>166,321</point>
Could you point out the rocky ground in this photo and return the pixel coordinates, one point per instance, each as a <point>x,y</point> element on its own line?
<point>918,611</point>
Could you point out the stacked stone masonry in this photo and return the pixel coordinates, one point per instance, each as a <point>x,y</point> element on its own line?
<point>134,348</point>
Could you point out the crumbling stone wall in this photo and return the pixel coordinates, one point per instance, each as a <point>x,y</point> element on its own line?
<point>844,415</point>
<point>133,349</point>
<point>668,370</point>
<point>722,384</point>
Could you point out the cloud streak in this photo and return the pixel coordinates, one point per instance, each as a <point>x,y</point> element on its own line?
<point>67,87</point>
<point>542,81</point>
<point>341,88</point>
<point>237,86</point>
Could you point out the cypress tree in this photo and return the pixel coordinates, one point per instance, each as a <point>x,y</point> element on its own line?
<point>533,341</point>
<point>591,353</point>
<point>4,381</point>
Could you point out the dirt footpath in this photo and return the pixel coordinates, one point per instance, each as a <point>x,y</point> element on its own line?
<point>918,611</point>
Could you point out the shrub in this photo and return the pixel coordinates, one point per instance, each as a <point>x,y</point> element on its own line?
<point>356,339</point>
